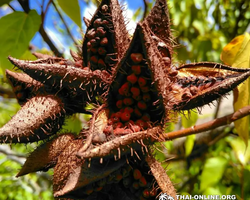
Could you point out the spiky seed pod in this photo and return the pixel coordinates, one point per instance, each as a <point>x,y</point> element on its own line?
<point>200,83</point>
<point>159,22</point>
<point>74,80</point>
<point>46,155</point>
<point>24,85</point>
<point>108,24</point>
<point>38,119</point>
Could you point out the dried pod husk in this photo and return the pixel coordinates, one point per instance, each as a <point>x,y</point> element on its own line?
<point>201,83</point>
<point>108,31</point>
<point>46,155</point>
<point>39,118</point>
<point>159,22</point>
<point>141,68</point>
<point>74,80</point>
<point>24,86</point>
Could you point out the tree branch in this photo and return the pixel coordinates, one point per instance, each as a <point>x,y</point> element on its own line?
<point>65,24</point>
<point>209,125</point>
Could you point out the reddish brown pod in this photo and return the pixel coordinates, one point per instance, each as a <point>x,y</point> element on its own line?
<point>106,38</point>
<point>139,81</point>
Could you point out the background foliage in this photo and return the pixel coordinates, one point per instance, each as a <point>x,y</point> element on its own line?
<point>212,163</point>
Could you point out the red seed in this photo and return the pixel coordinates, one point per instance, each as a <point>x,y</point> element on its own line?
<point>102,51</point>
<point>105,22</point>
<point>125,116</point>
<point>101,63</point>
<point>128,101</point>
<point>146,117</point>
<point>115,119</point>
<point>88,44</point>
<point>140,123</point>
<point>89,189</point>
<point>144,89</point>
<point>136,185</point>
<point>112,115</point>
<point>118,114</point>
<point>100,32</point>
<point>135,91</point>
<point>146,97</point>
<point>137,174</point>
<point>136,69</point>
<point>132,78</point>
<point>97,22</point>
<point>119,104</point>
<point>142,105</point>
<point>137,98</point>
<point>142,81</point>
<point>91,33</point>
<point>136,57</point>
<point>93,50</point>
<point>20,95</point>
<point>128,110</point>
<point>104,41</point>
<point>121,92</point>
<point>137,112</point>
<point>146,193</point>
<point>153,192</point>
<point>142,181</point>
<point>108,129</point>
<point>118,125</point>
<point>94,59</point>
<point>118,177</point>
<point>97,189</point>
<point>125,88</point>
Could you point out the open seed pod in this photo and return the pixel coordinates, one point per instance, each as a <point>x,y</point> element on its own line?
<point>137,94</point>
<point>24,86</point>
<point>198,84</point>
<point>106,38</point>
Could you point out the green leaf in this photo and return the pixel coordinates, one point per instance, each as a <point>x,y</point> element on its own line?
<point>19,29</point>
<point>189,118</point>
<point>4,2</point>
<point>72,9</point>
<point>242,153</point>
<point>212,172</point>
<point>189,144</point>
<point>237,54</point>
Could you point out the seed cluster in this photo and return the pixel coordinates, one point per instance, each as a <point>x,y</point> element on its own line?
<point>133,180</point>
<point>135,101</point>
<point>98,42</point>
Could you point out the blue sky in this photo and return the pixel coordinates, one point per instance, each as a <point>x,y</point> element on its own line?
<point>53,23</point>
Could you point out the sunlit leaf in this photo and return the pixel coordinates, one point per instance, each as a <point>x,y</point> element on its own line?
<point>189,118</point>
<point>19,29</point>
<point>237,54</point>
<point>212,172</point>
<point>72,9</point>
<point>229,52</point>
<point>189,144</point>
<point>242,153</point>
